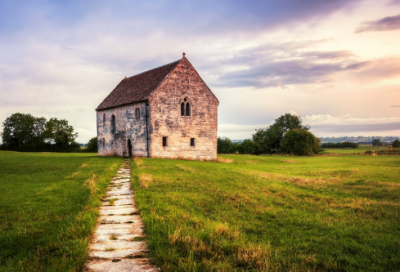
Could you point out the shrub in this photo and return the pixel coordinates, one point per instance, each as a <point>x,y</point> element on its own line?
<point>225,146</point>
<point>340,145</point>
<point>92,145</point>
<point>396,144</point>
<point>248,147</point>
<point>299,142</point>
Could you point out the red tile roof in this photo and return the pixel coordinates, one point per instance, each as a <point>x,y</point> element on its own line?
<point>137,88</point>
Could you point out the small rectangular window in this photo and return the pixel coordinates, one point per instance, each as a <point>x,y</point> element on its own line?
<point>164,141</point>
<point>104,142</point>
<point>192,141</point>
<point>137,113</point>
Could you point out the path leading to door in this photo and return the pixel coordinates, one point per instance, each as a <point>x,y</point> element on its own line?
<point>119,243</point>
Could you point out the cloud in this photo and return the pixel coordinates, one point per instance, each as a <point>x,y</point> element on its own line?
<point>395,106</point>
<point>386,24</point>
<point>282,64</point>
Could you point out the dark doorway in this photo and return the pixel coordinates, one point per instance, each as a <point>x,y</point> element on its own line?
<point>130,148</point>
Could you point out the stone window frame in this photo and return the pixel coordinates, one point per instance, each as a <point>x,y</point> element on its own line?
<point>165,141</point>
<point>113,126</point>
<point>137,113</point>
<point>185,107</point>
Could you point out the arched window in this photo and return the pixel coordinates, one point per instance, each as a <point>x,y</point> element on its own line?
<point>113,124</point>
<point>185,107</point>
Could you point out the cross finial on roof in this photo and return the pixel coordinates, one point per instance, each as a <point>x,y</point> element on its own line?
<point>184,54</point>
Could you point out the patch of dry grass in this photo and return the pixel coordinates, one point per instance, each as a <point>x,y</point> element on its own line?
<point>113,237</point>
<point>223,160</point>
<point>289,161</point>
<point>91,184</point>
<point>145,180</point>
<point>185,168</point>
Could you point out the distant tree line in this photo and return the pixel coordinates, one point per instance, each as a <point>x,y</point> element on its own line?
<point>24,132</point>
<point>340,145</point>
<point>287,135</point>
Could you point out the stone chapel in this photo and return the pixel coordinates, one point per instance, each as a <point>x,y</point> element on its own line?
<point>166,112</point>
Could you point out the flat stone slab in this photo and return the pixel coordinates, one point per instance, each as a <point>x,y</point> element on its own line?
<point>119,244</point>
<point>120,266</point>
<point>124,176</point>
<point>119,219</point>
<point>117,210</point>
<point>120,181</point>
<point>123,201</point>
<point>119,197</point>
<point>122,191</point>
<point>120,185</point>
<point>103,238</point>
<point>115,253</point>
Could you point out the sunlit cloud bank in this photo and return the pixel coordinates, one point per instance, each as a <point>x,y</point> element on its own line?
<point>384,24</point>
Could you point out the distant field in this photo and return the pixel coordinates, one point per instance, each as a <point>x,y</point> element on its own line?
<point>48,208</point>
<point>259,213</point>
<point>360,149</point>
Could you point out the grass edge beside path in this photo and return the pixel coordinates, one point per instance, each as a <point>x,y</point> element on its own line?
<point>66,247</point>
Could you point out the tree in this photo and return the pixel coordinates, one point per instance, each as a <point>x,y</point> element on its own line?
<point>396,144</point>
<point>299,142</point>
<point>23,129</point>
<point>92,145</point>
<point>269,139</point>
<point>289,121</point>
<point>376,142</point>
<point>247,147</point>
<point>60,133</point>
<point>225,146</point>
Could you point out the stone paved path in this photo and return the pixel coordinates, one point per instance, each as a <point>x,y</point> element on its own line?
<point>119,243</point>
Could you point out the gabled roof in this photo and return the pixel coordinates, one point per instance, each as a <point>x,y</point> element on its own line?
<point>137,88</point>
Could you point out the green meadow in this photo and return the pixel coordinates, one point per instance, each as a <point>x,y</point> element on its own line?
<point>271,213</point>
<point>49,207</point>
<point>240,213</point>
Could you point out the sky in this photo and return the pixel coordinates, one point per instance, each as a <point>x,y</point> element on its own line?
<point>335,63</point>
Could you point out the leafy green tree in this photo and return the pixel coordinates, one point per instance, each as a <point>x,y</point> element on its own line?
<point>226,146</point>
<point>396,144</point>
<point>60,133</point>
<point>247,147</point>
<point>269,139</point>
<point>376,142</point>
<point>299,142</point>
<point>92,145</point>
<point>289,121</point>
<point>261,138</point>
<point>23,129</point>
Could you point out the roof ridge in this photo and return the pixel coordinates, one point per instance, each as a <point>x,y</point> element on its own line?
<point>152,69</point>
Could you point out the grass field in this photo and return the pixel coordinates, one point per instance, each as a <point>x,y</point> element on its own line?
<point>48,208</point>
<point>260,213</point>
<point>360,149</point>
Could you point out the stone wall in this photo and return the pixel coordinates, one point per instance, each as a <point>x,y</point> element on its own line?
<point>127,127</point>
<point>166,120</point>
